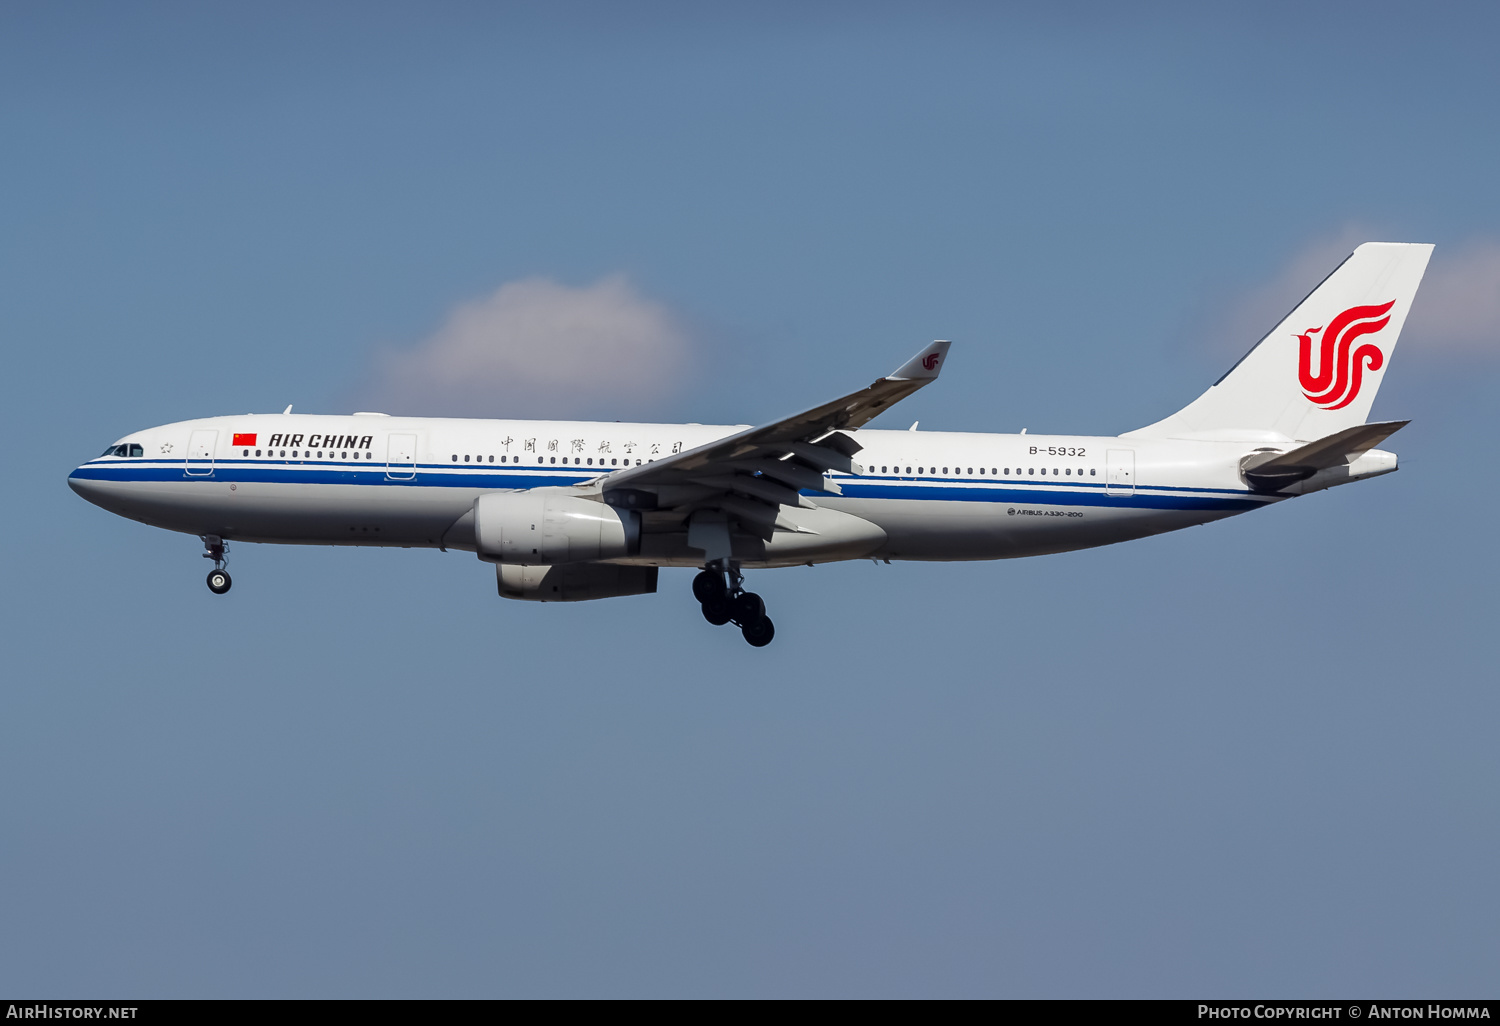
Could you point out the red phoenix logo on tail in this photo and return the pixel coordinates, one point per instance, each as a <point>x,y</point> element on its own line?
<point>930,360</point>
<point>1335,381</point>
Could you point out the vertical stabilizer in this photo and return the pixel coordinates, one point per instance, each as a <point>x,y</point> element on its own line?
<point>1317,371</point>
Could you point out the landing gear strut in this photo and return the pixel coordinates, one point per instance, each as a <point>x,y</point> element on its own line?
<point>218,577</point>
<point>720,589</point>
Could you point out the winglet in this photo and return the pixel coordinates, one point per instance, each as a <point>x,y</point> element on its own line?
<point>925,365</point>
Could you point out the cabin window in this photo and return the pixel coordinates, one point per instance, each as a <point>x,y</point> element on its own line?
<point>554,459</point>
<point>257,452</point>
<point>245,453</point>
<point>945,470</point>
<point>1092,472</point>
<point>466,457</point>
<point>455,457</point>
<point>614,463</point>
<point>1031,471</point>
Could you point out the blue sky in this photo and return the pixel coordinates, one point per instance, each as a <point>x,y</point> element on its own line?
<point>1253,758</point>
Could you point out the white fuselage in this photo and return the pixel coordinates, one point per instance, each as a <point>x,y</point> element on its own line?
<point>375,480</point>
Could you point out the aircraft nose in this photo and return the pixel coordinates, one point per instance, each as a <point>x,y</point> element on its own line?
<point>84,485</point>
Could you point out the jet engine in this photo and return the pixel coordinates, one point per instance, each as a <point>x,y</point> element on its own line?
<point>546,526</point>
<point>574,582</point>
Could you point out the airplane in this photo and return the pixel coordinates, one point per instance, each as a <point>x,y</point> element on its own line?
<point>575,510</point>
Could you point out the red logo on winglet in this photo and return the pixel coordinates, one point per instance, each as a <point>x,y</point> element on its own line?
<point>930,360</point>
<point>1336,381</point>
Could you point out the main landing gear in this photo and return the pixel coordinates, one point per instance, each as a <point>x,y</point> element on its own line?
<point>725,600</point>
<point>218,577</point>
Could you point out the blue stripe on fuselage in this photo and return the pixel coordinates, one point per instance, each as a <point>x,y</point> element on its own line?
<point>1079,493</point>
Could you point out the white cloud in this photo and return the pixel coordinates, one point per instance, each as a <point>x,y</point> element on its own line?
<point>536,347</point>
<point>1457,308</point>
<point>1232,327</point>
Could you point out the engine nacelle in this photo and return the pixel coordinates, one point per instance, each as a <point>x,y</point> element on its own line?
<point>545,526</point>
<point>574,582</point>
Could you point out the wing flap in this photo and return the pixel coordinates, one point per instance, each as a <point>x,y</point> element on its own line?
<point>791,473</point>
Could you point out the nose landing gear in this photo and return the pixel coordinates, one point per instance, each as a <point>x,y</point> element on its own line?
<point>719,588</point>
<point>218,578</point>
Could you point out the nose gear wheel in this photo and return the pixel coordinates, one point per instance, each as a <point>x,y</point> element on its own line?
<point>218,578</point>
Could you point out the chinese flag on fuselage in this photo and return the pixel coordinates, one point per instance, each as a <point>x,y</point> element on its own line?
<point>244,440</point>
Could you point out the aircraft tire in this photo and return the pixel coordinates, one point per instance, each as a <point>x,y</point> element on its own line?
<point>716,611</point>
<point>218,581</point>
<point>760,632</point>
<point>708,585</point>
<point>748,607</point>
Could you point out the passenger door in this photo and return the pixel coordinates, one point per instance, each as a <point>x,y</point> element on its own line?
<point>1119,472</point>
<point>401,458</point>
<point>200,454</point>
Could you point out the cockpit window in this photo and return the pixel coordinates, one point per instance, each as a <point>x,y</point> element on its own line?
<point>136,449</point>
<point>133,449</point>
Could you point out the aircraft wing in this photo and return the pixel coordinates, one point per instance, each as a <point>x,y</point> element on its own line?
<point>751,474</point>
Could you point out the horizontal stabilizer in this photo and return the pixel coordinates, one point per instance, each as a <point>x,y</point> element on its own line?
<point>1269,471</point>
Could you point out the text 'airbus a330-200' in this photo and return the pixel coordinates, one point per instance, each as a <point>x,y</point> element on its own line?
<point>569,511</point>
